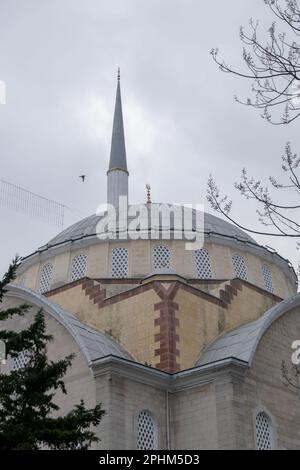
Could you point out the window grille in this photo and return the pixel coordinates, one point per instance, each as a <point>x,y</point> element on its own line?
<point>161,257</point>
<point>263,432</point>
<point>78,269</point>
<point>20,360</point>
<point>203,266</point>
<point>45,278</point>
<point>239,267</point>
<point>119,263</point>
<point>267,276</point>
<point>146,431</point>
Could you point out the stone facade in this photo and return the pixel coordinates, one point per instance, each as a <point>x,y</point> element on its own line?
<point>212,406</point>
<point>163,322</point>
<point>78,380</point>
<point>217,408</point>
<point>140,262</point>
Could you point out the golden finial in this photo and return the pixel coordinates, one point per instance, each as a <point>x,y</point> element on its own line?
<point>119,74</point>
<point>148,187</point>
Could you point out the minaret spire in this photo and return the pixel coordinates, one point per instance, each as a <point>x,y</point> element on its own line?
<point>117,175</point>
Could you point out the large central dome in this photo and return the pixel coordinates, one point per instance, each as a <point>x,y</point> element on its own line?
<point>153,238</point>
<point>87,228</point>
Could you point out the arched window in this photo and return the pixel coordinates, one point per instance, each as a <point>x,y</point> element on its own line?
<point>263,427</point>
<point>119,263</point>
<point>202,262</point>
<point>45,278</point>
<point>267,276</point>
<point>239,267</point>
<point>78,268</point>
<point>146,431</point>
<point>20,360</point>
<point>161,257</point>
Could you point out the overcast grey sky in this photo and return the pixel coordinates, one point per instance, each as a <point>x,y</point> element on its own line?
<point>59,60</point>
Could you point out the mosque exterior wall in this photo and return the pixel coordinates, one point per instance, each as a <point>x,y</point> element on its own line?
<point>165,323</point>
<point>140,263</point>
<point>264,389</point>
<point>78,380</point>
<point>213,407</point>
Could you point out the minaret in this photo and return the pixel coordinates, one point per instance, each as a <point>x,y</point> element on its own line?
<point>117,174</point>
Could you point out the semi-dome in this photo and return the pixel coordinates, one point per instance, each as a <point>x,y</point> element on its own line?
<point>92,343</point>
<point>242,342</point>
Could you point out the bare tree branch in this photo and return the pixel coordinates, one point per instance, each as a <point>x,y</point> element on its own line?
<point>273,64</point>
<point>284,218</point>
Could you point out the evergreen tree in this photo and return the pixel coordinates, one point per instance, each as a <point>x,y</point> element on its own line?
<point>27,404</point>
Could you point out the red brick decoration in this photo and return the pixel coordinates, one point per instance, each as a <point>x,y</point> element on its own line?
<point>167,352</point>
<point>94,291</point>
<point>167,339</point>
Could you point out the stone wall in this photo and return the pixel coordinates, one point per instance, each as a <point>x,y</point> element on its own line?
<point>124,399</point>
<point>194,418</point>
<point>78,380</point>
<point>165,324</point>
<point>140,263</point>
<point>202,409</point>
<point>263,387</point>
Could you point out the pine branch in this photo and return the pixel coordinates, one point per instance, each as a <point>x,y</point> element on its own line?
<point>27,395</point>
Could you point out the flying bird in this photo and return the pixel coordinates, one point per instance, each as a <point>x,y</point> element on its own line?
<point>82,177</point>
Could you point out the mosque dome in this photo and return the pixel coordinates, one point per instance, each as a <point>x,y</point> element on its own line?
<point>146,308</point>
<point>87,228</point>
<point>138,249</point>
